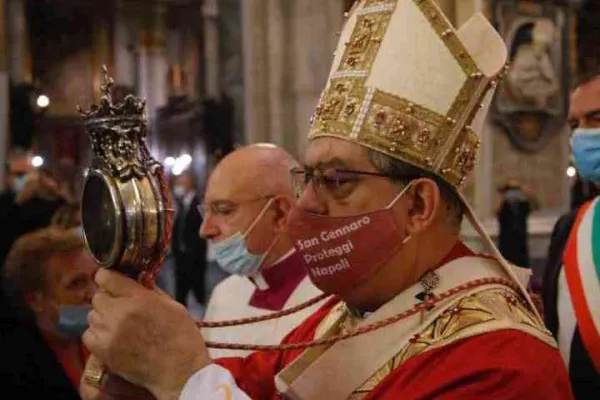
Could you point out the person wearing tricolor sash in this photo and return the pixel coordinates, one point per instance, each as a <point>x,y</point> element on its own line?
<point>571,288</point>
<point>413,313</point>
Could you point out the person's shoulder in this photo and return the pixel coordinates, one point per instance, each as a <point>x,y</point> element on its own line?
<point>531,365</point>
<point>566,220</point>
<point>229,294</point>
<point>513,350</point>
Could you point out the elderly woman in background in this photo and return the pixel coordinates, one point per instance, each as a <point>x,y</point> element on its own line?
<point>53,274</point>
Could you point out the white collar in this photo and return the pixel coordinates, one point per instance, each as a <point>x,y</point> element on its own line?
<point>260,281</point>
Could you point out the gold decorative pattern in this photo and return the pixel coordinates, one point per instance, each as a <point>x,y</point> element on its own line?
<point>390,124</point>
<point>483,312</point>
<point>118,134</point>
<point>446,32</point>
<point>364,42</point>
<point>375,3</point>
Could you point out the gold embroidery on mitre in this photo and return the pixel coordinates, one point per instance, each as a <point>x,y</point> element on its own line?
<point>484,312</point>
<point>390,124</point>
<point>364,43</point>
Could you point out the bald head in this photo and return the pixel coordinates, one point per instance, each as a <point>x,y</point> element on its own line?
<point>256,170</point>
<point>251,191</point>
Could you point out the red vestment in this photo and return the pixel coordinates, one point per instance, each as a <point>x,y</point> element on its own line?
<point>506,364</point>
<point>497,365</point>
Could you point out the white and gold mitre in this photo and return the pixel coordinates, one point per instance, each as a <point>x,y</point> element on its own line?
<point>405,83</point>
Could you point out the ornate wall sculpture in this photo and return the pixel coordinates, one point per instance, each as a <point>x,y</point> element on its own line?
<point>531,104</point>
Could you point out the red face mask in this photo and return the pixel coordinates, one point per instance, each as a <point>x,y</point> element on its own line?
<point>339,253</point>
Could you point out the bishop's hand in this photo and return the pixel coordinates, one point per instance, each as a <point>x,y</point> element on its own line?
<point>144,336</point>
<point>108,386</point>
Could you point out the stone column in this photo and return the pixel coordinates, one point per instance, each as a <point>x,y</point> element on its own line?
<point>124,42</point>
<point>153,62</point>
<point>288,49</point>
<point>210,14</point>
<point>280,69</point>
<point>4,100</point>
<point>254,45</point>
<point>182,50</point>
<point>231,61</point>
<point>152,66</point>
<point>190,62</point>
<point>315,27</point>
<point>19,62</point>
<point>101,54</point>
<point>174,62</point>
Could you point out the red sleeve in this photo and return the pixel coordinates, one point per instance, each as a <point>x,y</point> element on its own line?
<point>507,365</point>
<point>255,374</point>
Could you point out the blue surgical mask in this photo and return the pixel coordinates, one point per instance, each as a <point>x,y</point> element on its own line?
<point>19,183</point>
<point>179,191</point>
<point>233,255</point>
<point>72,321</point>
<point>586,153</point>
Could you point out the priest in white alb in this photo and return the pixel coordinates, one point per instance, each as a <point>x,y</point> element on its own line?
<point>245,209</point>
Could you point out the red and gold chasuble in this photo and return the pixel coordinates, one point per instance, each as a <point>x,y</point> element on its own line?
<point>485,345</point>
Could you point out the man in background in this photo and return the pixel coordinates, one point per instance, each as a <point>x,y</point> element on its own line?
<point>246,205</point>
<point>566,299</point>
<point>582,191</point>
<point>516,202</point>
<point>32,209</point>
<point>18,166</point>
<point>189,250</point>
<point>17,169</point>
<point>53,273</point>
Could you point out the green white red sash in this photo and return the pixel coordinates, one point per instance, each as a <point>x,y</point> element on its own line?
<point>582,269</point>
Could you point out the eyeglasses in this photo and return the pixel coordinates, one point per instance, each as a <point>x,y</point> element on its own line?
<point>330,179</point>
<point>225,208</point>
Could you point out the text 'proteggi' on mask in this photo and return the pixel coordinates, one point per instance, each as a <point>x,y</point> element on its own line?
<point>330,247</point>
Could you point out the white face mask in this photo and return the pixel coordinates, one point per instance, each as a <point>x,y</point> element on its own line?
<point>19,183</point>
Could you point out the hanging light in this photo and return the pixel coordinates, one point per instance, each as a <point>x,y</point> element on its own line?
<point>43,101</point>
<point>181,164</point>
<point>37,161</point>
<point>169,161</point>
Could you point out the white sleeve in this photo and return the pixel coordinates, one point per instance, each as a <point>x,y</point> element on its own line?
<point>212,382</point>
